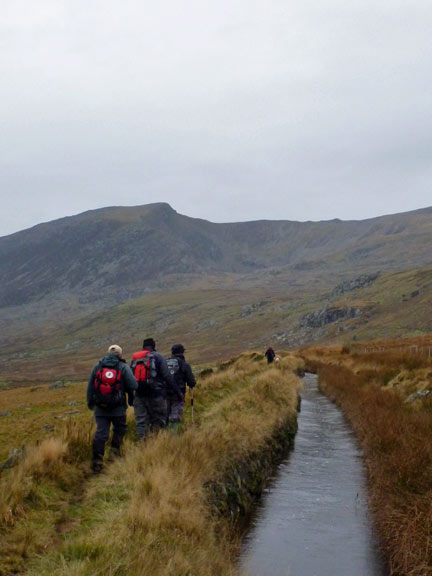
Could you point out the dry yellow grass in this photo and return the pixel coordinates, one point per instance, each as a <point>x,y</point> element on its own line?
<point>38,413</point>
<point>150,512</point>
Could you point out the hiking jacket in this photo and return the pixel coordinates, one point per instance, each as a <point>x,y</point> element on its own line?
<point>185,375</point>
<point>270,353</point>
<point>162,381</point>
<point>127,386</point>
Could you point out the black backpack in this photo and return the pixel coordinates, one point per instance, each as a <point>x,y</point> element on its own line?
<point>175,369</point>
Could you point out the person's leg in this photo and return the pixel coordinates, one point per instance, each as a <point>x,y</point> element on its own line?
<point>142,418</point>
<point>119,430</point>
<point>169,401</point>
<point>158,413</point>
<point>175,414</point>
<point>99,440</point>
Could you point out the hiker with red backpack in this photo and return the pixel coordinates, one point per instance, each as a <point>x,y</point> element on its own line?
<point>154,381</point>
<point>109,383</point>
<point>183,375</point>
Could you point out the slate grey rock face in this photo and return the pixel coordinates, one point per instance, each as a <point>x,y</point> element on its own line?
<point>354,284</point>
<point>327,315</point>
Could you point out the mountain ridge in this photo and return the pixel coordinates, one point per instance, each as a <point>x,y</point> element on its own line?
<point>117,251</point>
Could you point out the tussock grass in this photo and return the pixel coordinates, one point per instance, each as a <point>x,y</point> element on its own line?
<point>396,440</point>
<point>149,513</point>
<point>36,495</point>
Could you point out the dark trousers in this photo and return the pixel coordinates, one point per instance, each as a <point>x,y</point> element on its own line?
<point>150,414</point>
<point>103,424</point>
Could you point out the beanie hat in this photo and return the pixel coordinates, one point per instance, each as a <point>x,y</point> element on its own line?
<point>178,349</point>
<point>149,343</point>
<point>116,350</point>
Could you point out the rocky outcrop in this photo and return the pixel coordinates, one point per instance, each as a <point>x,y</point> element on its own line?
<point>329,314</point>
<point>354,284</point>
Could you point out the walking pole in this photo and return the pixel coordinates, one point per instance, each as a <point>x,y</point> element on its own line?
<point>192,405</point>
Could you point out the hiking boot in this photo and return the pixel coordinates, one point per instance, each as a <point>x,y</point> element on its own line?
<point>174,427</point>
<point>97,466</point>
<point>114,453</point>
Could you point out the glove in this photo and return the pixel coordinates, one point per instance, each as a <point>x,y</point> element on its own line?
<point>130,400</point>
<point>90,406</point>
<point>181,397</point>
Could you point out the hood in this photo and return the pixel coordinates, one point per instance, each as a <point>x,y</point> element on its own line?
<point>111,361</point>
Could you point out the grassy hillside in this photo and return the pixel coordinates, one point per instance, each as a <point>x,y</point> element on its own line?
<point>106,257</point>
<point>170,503</point>
<point>216,323</point>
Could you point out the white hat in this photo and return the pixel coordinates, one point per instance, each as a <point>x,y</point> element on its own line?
<point>116,350</point>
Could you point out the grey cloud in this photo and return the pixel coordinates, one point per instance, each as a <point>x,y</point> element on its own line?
<point>229,111</point>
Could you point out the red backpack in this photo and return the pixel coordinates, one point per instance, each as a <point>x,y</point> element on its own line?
<point>107,391</point>
<point>144,368</point>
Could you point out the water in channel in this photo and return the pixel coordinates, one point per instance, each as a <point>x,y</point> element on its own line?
<point>313,521</point>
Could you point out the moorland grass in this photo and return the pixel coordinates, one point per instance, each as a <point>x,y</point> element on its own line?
<point>395,436</point>
<point>150,512</point>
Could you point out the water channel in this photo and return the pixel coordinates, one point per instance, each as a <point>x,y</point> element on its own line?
<point>313,521</point>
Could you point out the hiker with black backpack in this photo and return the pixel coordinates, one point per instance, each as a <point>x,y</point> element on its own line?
<point>154,380</point>
<point>270,355</point>
<point>183,375</point>
<point>109,383</point>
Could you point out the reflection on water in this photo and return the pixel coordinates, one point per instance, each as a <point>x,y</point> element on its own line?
<point>314,521</point>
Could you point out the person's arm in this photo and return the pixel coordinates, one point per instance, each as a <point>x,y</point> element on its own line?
<point>129,380</point>
<point>90,388</point>
<point>189,377</point>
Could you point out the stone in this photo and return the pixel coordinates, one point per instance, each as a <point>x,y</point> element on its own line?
<point>419,395</point>
<point>14,456</point>
<point>56,385</point>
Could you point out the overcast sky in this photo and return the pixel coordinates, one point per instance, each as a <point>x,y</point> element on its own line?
<point>229,110</point>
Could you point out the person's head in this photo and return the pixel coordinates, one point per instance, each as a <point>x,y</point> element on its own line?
<point>178,349</point>
<point>149,343</point>
<point>115,350</point>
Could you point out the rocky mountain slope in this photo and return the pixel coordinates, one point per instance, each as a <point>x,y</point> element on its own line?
<point>125,252</point>
<point>72,286</point>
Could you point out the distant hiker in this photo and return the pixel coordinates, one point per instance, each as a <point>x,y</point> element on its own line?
<point>270,355</point>
<point>111,379</point>
<point>154,381</point>
<point>182,373</point>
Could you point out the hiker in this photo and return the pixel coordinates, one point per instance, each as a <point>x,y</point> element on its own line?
<point>270,355</point>
<point>182,374</point>
<point>154,380</point>
<point>111,379</point>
